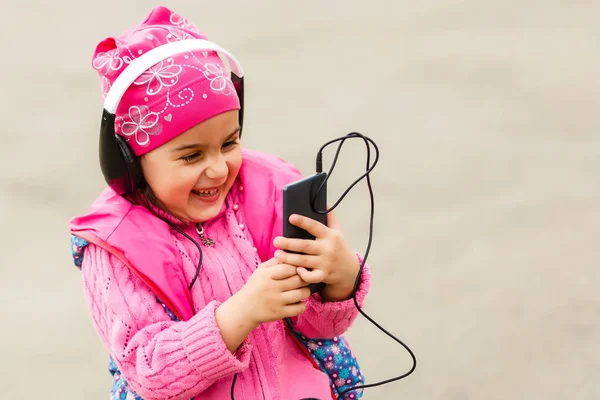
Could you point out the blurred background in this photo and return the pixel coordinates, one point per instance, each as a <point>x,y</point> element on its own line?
<point>487,191</point>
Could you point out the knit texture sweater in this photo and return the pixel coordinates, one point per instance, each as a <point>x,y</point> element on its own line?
<point>165,359</point>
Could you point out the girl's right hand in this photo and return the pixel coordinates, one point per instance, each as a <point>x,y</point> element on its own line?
<point>273,292</point>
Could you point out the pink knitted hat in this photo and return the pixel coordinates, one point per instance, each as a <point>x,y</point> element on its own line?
<point>173,95</point>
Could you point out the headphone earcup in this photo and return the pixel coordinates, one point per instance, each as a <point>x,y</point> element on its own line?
<point>238,84</point>
<point>132,163</point>
<point>120,167</point>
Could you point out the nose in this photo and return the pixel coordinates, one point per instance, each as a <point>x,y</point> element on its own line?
<point>217,168</point>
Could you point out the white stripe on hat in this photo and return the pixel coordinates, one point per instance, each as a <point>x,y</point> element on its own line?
<point>156,55</point>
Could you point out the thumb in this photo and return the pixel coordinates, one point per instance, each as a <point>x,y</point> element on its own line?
<point>314,276</point>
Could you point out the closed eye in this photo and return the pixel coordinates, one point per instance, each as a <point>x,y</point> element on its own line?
<point>230,144</point>
<point>191,157</point>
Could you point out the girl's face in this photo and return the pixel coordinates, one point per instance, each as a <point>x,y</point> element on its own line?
<point>192,174</point>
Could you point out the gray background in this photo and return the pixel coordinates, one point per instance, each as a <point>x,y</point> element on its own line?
<point>487,192</point>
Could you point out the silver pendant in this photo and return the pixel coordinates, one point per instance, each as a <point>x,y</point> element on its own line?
<point>205,241</point>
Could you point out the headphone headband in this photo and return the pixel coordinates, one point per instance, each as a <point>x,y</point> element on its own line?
<point>156,55</point>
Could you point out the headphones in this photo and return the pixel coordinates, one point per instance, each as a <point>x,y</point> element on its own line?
<point>120,166</point>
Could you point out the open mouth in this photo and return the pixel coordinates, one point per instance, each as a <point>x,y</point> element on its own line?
<point>206,192</point>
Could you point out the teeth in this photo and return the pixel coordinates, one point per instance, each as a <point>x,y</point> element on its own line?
<point>206,192</point>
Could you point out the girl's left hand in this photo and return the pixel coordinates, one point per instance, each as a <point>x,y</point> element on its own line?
<point>329,257</point>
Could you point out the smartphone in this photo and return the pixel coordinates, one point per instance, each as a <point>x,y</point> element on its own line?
<point>301,197</point>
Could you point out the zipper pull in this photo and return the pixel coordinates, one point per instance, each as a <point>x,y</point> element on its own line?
<point>205,241</point>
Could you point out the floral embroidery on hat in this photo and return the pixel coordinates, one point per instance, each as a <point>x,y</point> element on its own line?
<point>108,61</point>
<point>176,35</point>
<point>178,20</point>
<point>219,79</point>
<point>183,23</point>
<point>156,101</point>
<point>142,123</point>
<point>163,74</point>
<point>104,86</point>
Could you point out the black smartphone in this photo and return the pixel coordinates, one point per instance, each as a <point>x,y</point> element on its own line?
<point>303,197</point>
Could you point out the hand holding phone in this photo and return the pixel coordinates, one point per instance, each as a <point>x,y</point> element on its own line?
<point>304,198</point>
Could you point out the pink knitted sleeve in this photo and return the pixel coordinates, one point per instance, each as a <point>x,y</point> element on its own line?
<point>159,358</point>
<point>326,320</point>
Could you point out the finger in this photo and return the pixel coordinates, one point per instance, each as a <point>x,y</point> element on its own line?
<point>313,227</point>
<point>291,283</point>
<point>314,276</point>
<point>333,221</point>
<point>299,260</point>
<point>282,271</point>
<point>270,263</point>
<point>293,310</point>
<point>305,246</point>
<point>295,296</point>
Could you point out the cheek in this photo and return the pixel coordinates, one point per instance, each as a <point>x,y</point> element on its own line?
<point>170,182</point>
<point>234,163</point>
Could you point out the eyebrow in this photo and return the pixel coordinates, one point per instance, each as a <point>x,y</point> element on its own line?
<point>196,145</point>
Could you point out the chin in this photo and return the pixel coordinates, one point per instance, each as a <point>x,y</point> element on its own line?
<point>201,217</point>
<point>199,214</point>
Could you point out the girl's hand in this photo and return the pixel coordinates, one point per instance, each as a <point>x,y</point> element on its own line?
<point>329,257</point>
<point>273,292</point>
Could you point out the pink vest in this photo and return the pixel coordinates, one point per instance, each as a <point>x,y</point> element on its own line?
<point>121,228</point>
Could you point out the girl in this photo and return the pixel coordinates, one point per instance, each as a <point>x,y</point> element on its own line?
<point>190,286</point>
